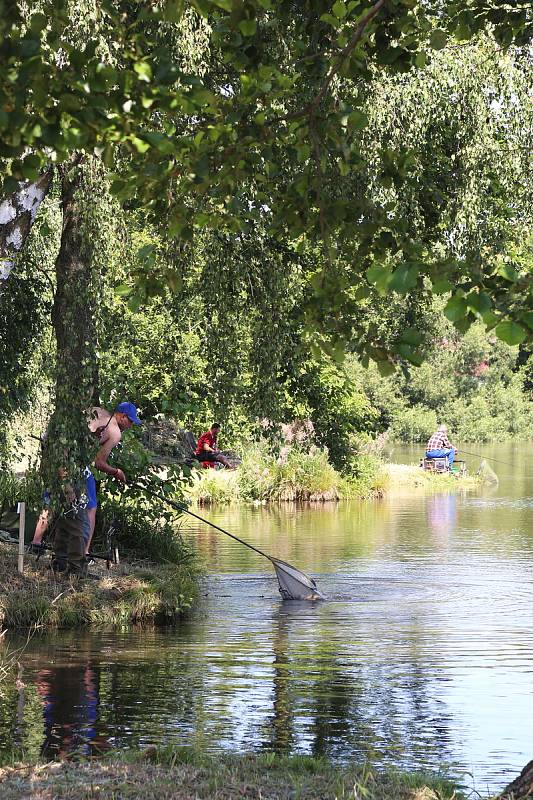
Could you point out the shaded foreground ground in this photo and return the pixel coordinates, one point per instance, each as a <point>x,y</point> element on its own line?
<point>182,775</point>
<point>126,594</point>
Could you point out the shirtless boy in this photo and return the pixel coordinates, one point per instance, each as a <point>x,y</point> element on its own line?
<point>107,427</point>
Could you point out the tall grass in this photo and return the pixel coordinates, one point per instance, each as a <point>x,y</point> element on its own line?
<point>147,529</point>
<point>296,473</point>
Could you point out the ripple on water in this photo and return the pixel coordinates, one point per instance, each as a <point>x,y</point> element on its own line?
<point>499,502</point>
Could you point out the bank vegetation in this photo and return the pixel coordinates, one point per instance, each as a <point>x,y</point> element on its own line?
<point>127,594</point>
<point>181,774</point>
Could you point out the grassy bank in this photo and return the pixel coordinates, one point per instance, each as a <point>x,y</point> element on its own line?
<point>406,477</point>
<point>125,594</point>
<point>310,477</point>
<point>183,774</point>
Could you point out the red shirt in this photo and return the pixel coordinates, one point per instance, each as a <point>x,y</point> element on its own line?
<point>206,438</point>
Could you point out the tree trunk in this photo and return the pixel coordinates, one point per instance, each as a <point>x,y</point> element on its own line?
<point>521,787</point>
<point>74,321</point>
<point>17,215</point>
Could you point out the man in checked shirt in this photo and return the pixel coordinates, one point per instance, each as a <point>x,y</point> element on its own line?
<point>440,446</point>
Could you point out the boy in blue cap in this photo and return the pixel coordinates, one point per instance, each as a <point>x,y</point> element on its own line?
<point>108,429</point>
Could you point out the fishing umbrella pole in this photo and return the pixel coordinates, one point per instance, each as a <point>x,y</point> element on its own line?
<point>293,583</point>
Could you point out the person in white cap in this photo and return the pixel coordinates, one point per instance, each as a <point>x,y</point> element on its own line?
<point>439,446</point>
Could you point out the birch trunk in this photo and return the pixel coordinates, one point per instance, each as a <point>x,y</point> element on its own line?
<point>17,215</point>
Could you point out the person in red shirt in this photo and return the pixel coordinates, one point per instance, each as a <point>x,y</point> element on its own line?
<point>207,450</point>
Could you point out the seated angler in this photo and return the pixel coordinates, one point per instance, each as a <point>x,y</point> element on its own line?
<point>439,446</point>
<point>207,450</point>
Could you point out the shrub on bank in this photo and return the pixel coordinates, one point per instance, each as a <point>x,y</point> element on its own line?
<point>296,473</point>
<point>146,529</point>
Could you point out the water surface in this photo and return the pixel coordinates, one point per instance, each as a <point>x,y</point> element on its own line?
<point>421,658</point>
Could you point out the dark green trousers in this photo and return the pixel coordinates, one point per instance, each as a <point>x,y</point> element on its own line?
<point>69,543</point>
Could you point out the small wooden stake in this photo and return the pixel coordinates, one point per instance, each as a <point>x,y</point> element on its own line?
<point>22,524</point>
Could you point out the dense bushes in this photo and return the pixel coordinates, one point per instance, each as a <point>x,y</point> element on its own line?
<point>475,383</point>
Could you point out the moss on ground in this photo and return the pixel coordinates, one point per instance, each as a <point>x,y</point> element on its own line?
<point>125,594</point>
<point>182,775</point>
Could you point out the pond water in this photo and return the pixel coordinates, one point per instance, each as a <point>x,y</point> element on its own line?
<point>421,657</point>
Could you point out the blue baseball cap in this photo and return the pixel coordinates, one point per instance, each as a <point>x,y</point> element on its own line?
<point>130,411</point>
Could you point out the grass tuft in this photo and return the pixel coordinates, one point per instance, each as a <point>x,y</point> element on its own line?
<point>128,594</point>
<point>183,774</point>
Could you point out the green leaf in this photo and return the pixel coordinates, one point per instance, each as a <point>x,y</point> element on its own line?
<point>122,290</point>
<point>38,23</point>
<point>409,354</point>
<point>508,272</point>
<point>248,27</point>
<point>143,70</point>
<point>173,10</point>
<point>442,286</point>
<point>510,332</point>
<point>140,145</point>
<point>463,324</point>
<point>339,9</point>
<point>479,302</point>
<point>174,281</point>
<point>117,187</point>
<point>404,278</point>
<point>331,20</point>
<point>134,302</point>
<point>202,6</point>
<point>386,368</point>
<point>527,319</point>
<point>490,319</point>
<point>145,251</point>
<point>463,32</point>
<point>339,352</point>
<point>438,39</point>
<point>412,336</point>
<point>456,308</point>
<point>10,184</point>
<point>357,120</point>
<point>31,166</point>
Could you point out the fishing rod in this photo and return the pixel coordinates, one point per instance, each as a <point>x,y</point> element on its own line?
<point>293,583</point>
<point>487,458</point>
<point>180,507</point>
<point>109,558</point>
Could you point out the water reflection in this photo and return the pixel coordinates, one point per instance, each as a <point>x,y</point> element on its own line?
<point>70,709</point>
<point>421,658</point>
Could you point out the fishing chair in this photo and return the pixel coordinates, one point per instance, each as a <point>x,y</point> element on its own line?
<point>436,464</point>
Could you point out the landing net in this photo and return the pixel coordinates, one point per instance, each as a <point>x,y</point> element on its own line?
<point>295,584</point>
<point>486,473</point>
